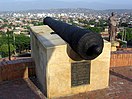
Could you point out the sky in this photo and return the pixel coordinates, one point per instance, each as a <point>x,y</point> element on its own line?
<point>14,5</point>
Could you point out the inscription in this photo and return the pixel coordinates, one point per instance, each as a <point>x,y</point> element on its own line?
<point>80,73</point>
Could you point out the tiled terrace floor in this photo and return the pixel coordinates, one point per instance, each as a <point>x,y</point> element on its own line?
<point>19,89</point>
<point>120,88</point>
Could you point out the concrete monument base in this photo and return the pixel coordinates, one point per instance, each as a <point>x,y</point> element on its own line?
<point>57,71</point>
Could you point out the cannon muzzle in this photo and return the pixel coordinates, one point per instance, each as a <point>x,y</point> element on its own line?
<point>87,44</point>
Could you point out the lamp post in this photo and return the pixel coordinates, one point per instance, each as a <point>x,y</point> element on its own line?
<point>9,53</point>
<point>14,43</point>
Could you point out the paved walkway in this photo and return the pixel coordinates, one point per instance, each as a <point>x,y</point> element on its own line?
<point>120,88</point>
<point>19,89</point>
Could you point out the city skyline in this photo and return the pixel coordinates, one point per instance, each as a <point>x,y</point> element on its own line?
<point>16,5</point>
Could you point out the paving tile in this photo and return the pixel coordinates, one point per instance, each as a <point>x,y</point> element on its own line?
<point>120,87</point>
<point>17,89</point>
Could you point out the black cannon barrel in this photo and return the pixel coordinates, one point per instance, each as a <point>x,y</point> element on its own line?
<point>88,45</point>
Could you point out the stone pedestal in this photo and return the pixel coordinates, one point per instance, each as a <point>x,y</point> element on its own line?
<point>114,45</point>
<point>60,75</point>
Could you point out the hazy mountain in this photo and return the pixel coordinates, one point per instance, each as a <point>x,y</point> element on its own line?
<point>74,10</point>
<point>46,4</point>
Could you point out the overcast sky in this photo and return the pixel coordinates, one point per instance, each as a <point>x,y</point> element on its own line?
<point>8,5</point>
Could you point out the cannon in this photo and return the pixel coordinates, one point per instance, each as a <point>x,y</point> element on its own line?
<point>87,44</point>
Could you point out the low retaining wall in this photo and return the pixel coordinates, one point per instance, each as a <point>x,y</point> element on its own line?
<point>121,58</point>
<point>124,49</point>
<point>20,68</point>
<point>24,68</point>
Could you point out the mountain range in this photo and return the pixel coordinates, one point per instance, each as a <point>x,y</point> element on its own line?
<point>73,10</point>
<point>55,4</point>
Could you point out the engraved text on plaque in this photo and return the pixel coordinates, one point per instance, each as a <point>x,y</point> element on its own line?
<point>80,73</point>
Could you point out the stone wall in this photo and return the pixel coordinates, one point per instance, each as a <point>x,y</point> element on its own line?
<point>121,58</point>
<point>15,69</point>
<point>124,49</point>
<point>19,68</point>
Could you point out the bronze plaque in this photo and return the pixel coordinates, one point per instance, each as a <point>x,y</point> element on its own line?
<point>80,73</point>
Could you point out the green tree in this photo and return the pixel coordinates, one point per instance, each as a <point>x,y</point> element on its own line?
<point>124,25</point>
<point>4,25</point>
<point>128,34</point>
<point>22,42</point>
<point>4,38</point>
<point>4,49</point>
<point>5,20</point>
<point>2,33</point>
<point>92,22</point>
<point>95,29</point>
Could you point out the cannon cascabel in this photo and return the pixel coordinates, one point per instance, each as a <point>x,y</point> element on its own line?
<point>87,44</point>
